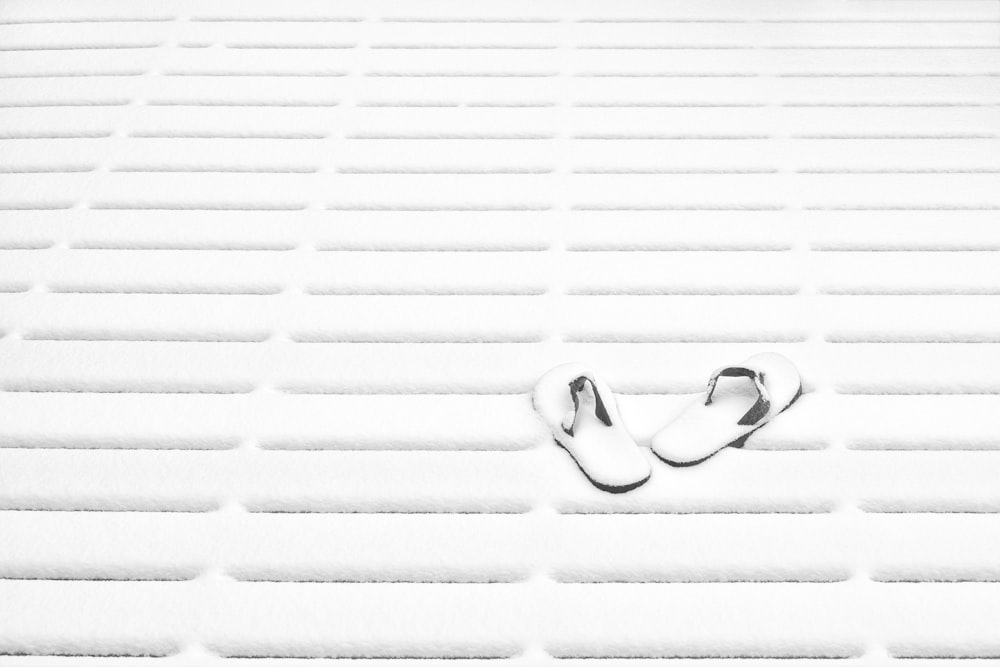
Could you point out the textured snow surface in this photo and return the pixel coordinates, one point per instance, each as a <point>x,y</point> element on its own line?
<point>276,280</point>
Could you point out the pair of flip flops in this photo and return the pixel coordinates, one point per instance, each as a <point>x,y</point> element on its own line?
<point>581,411</point>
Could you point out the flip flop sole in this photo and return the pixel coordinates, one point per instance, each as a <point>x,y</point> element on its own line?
<point>627,469</point>
<point>737,443</point>
<point>603,487</point>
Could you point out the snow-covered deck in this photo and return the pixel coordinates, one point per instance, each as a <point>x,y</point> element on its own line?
<point>276,279</point>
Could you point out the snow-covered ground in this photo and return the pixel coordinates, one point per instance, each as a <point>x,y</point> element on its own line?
<point>277,278</point>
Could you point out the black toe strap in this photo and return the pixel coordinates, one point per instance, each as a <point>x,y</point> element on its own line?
<point>575,387</point>
<point>763,404</point>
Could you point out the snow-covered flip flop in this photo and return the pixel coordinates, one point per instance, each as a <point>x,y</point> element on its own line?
<point>728,412</point>
<point>581,412</point>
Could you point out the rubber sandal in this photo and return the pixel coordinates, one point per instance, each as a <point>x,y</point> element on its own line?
<point>581,412</point>
<point>728,412</point>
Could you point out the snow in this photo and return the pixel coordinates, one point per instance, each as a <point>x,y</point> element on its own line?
<point>277,279</point>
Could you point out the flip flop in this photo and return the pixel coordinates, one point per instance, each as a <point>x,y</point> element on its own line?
<point>581,412</point>
<point>728,412</point>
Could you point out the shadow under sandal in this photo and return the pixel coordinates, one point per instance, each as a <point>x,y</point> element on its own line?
<point>580,411</point>
<point>752,394</point>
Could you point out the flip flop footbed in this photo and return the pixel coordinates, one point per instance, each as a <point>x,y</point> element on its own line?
<point>730,410</point>
<point>605,452</point>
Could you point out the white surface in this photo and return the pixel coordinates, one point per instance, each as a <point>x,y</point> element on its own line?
<point>276,279</point>
<point>588,426</point>
<point>723,415</point>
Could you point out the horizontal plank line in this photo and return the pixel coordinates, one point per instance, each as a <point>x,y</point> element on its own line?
<point>123,577</point>
<point>695,511</point>
<point>97,19</point>
<point>762,47</point>
<point>139,443</point>
<point>256,510</point>
<point>70,75</point>
<point>26,244</point>
<point>291,46</point>
<point>197,206</point>
<point>54,335</point>
<point>896,137</point>
<point>316,390</point>
<point>465,19</point>
<point>456,171</point>
<point>6,506</point>
<point>904,207</point>
<point>438,207</point>
<point>683,290</point>
<point>255,73</point>
<point>914,291</point>
<point>888,105</point>
<point>244,103</point>
<point>929,511</point>
<point>868,246</point>
<point>219,134</point>
<point>51,104</point>
<point>932,579</point>
<point>789,75</point>
<point>670,137</point>
<point>486,75</point>
<point>54,134</point>
<point>390,447</point>
<point>287,655</point>
<point>901,170</point>
<point>777,21</point>
<point>505,104</point>
<point>486,579</point>
<point>125,245</point>
<point>463,47</point>
<point>41,653</point>
<point>48,169</point>
<point>642,104</point>
<point>160,389</point>
<point>678,207</point>
<point>685,338</point>
<point>36,206</point>
<point>708,655</point>
<point>668,246</point>
<point>342,339</point>
<point>959,654</point>
<point>435,512</point>
<point>879,75</point>
<point>852,391</point>
<point>353,339</point>
<point>904,339</point>
<point>428,291</point>
<point>665,75</point>
<point>444,104</point>
<point>184,290</point>
<point>445,136</point>
<point>513,245</point>
<point>244,290</point>
<point>814,579</point>
<point>277,19</point>
<point>624,171</point>
<point>863,446</point>
<point>77,47</point>
<point>216,169</point>
<point>481,579</point>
